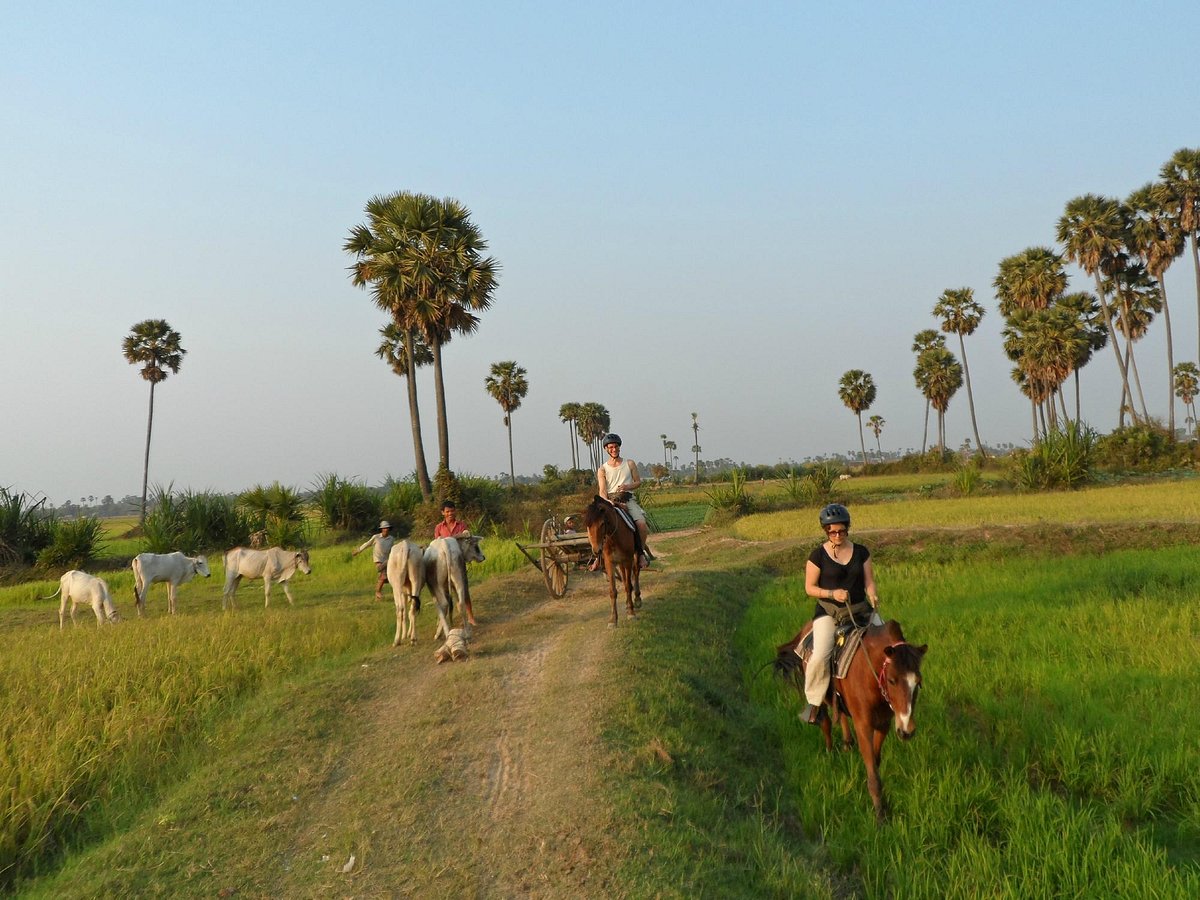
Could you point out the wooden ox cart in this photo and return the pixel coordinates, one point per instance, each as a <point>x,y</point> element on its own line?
<point>563,546</point>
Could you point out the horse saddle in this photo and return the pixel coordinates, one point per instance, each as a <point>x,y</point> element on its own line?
<point>846,641</point>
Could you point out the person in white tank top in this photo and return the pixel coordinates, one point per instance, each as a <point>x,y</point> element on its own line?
<point>618,476</point>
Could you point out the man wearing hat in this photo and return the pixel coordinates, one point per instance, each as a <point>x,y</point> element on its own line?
<point>382,540</point>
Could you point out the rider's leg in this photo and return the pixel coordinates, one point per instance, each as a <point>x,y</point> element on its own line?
<point>816,672</point>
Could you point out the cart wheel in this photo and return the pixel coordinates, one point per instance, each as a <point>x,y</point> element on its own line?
<point>554,571</point>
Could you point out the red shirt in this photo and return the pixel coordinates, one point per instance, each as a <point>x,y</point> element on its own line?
<point>455,527</point>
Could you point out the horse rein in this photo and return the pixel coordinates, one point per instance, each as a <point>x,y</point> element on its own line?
<point>880,677</point>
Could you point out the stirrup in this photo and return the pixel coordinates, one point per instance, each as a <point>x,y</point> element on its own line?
<point>813,715</point>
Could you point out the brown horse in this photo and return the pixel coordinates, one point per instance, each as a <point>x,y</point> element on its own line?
<point>882,684</point>
<point>613,536</point>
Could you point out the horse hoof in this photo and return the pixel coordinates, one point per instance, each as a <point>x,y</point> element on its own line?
<point>612,624</point>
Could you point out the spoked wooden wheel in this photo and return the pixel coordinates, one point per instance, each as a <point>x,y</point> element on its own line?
<point>554,563</point>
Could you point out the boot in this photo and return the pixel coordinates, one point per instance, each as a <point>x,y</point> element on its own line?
<point>813,715</point>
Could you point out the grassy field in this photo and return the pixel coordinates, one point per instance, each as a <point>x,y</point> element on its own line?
<point>1055,753</point>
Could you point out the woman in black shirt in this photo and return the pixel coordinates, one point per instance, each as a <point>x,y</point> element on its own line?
<point>839,576</point>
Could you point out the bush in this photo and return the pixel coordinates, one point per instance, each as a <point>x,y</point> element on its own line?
<point>1061,459</point>
<point>73,543</point>
<point>346,506</point>
<point>731,499</point>
<point>25,529</point>
<point>1141,448</point>
<point>194,522</point>
<point>966,478</point>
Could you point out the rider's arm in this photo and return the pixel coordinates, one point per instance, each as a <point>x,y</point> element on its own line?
<point>869,583</point>
<point>601,483</point>
<point>635,478</point>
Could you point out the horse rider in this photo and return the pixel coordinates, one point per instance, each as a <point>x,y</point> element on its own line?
<point>839,576</point>
<point>617,479</point>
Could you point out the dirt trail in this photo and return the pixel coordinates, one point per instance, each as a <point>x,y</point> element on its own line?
<point>479,777</point>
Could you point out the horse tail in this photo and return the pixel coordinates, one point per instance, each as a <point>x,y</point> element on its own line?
<point>787,663</point>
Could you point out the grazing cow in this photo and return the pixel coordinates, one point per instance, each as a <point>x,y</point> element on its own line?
<point>274,566</point>
<point>173,568</point>
<point>406,574</point>
<point>80,587</point>
<point>446,569</point>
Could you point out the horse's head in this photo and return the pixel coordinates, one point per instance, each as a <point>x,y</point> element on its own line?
<point>595,520</point>
<point>900,682</point>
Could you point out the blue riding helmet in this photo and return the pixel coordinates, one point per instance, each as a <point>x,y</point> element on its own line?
<point>611,439</point>
<point>835,514</point>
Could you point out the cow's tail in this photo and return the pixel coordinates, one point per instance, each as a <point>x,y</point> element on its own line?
<point>55,594</point>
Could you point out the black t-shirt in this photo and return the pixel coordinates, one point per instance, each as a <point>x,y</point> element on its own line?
<point>837,576</point>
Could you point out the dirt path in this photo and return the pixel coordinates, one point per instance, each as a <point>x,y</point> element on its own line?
<point>477,778</point>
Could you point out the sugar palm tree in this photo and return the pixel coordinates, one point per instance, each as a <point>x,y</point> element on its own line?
<point>696,444</point>
<point>876,423</point>
<point>1094,231</point>
<point>422,259</point>
<point>1085,309</point>
<point>1159,240</point>
<point>857,391</point>
<point>923,340</point>
<point>944,377</point>
<point>156,347</point>
<point>669,447</point>
<point>593,422</point>
<point>1031,279</point>
<point>1181,176</point>
<point>569,413</point>
<point>1187,385</point>
<point>508,385</point>
<point>1136,300</point>
<point>961,315</point>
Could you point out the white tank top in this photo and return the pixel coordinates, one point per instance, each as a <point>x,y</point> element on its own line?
<point>617,476</point>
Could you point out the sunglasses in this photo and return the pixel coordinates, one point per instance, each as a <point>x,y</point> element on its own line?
<point>836,532</point>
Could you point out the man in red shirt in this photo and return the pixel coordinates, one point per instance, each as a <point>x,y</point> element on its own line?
<point>449,526</point>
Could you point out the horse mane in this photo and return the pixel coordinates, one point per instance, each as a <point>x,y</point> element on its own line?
<point>595,511</point>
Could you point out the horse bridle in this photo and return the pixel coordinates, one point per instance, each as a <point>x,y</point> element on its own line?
<point>881,676</point>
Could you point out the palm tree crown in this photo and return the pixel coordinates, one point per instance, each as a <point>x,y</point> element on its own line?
<point>508,386</point>
<point>157,348</point>
<point>857,391</point>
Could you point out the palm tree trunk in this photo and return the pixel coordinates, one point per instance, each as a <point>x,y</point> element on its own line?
<point>1112,337</point>
<point>1078,415</point>
<point>1162,286</point>
<point>512,469</point>
<point>414,417</point>
<point>1062,405</point>
<point>439,393</point>
<point>146,461</point>
<point>925,434</point>
<point>1042,414</point>
<point>941,425</point>
<point>1131,365</point>
<point>1033,412</point>
<point>861,440</point>
<point>970,397</point>
<point>878,446</point>
<point>1196,268</point>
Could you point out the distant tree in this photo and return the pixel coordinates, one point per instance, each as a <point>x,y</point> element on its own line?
<point>156,347</point>
<point>670,447</point>
<point>508,386</point>
<point>944,378</point>
<point>696,444</point>
<point>1085,309</point>
<point>876,423</point>
<point>1181,175</point>
<point>1137,298</point>
<point>1156,236</point>
<point>1187,386</point>
<point>857,391</point>
<point>593,422</point>
<point>569,413</point>
<point>926,339</point>
<point>1094,231</point>
<point>664,443</point>
<point>961,315</point>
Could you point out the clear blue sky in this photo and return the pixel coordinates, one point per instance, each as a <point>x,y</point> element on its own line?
<point>698,207</point>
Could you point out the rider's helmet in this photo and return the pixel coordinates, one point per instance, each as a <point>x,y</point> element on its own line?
<point>834,514</point>
<point>611,439</point>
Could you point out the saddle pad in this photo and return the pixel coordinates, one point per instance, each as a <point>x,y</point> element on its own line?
<point>843,650</point>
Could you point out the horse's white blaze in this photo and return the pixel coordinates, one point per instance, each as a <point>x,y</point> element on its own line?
<point>904,717</point>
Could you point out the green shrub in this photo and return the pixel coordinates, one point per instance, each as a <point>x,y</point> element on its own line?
<point>1061,459</point>
<point>73,543</point>
<point>194,522</point>
<point>1140,448</point>
<point>346,506</point>
<point>966,478</point>
<point>25,528</point>
<point>731,499</point>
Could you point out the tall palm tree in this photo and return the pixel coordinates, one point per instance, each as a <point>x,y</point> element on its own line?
<point>1181,175</point>
<point>696,444</point>
<point>669,447</point>
<point>508,385</point>
<point>569,413</point>
<point>1031,279</point>
<point>1094,231</point>
<point>944,376</point>
<point>1187,385</point>
<point>1085,310</point>
<point>877,423</point>
<point>1159,240</point>
<point>923,340</point>
<point>857,392</point>
<point>1136,300</point>
<point>593,422</point>
<point>664,443</point>
<point>961,315</point>
<point>422,258</point>
<point>156,347</point>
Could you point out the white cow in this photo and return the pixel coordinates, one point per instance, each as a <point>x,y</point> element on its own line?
<point>173,568</point>
<point>79,587</point>
<point>406,574</point>
<point>274,566</point>
<point>445,570</point>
